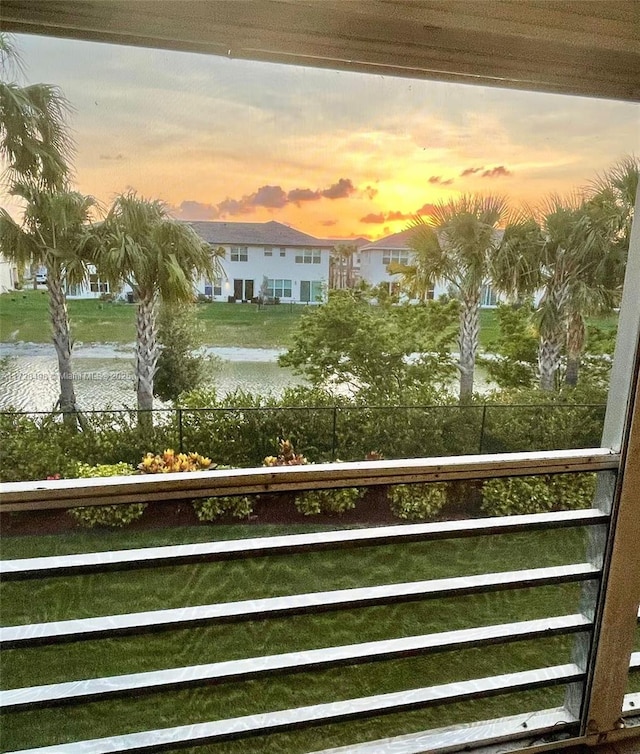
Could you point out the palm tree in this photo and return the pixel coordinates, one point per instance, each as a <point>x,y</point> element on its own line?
<point>34,139</point>
<point>563,253</point>
<point>341,266</point>
<point>55,233</point>
<point>455,244</point>
<point>157,257</point>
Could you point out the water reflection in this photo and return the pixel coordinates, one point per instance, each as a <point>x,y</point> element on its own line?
<point>104,375</point>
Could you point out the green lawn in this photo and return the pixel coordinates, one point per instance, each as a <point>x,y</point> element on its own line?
<point>24,317</point>
<point>84,596</point>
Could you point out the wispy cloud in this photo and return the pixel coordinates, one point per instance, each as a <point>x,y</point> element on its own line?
<point>377,218</point>
<point>438,180</point>
<point>500,171</point>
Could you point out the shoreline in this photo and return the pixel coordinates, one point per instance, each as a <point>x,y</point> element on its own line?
<point>100,350</point>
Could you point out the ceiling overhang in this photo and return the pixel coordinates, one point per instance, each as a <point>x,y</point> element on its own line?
<point>584,47</point>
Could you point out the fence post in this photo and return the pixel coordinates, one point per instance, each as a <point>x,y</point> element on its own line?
<point>482,423</point>
<point>180,434</point>
<point>334,438</point>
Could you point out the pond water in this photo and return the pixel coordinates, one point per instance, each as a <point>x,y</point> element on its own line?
<point>104,375</point>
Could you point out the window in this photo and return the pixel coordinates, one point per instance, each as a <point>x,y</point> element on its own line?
<point>96,285</point>
<point>279,288</point>
<point>239,254</point>
<point>217,287</point>
<point>401,256</point>
<point>283,251</point>
<point>308,256</point>
<point>310,291</point>
<point>268,251</point>
<point>488,296</point>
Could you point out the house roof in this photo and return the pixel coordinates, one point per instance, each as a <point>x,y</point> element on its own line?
<point>271,233</point>
<point>394,241</point>
<point>358,242</point>
<point>401,240</point>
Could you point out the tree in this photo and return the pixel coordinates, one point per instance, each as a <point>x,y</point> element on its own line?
<point>455,244</point>
<point>55,232</point>
<point>341,266</point>
<point>561,252</point>
<point>179,335</point>
<point>158,258</point>
<point>34,139</point>
<point>349,341</point>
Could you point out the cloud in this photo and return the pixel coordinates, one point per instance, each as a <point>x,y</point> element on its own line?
<point>340,190</point>
<point>394,215</point>
<point>378,218</point>
<point>272,197</point>
<point>328,223</point>
<point>115,157</point>
<point>370,191</point>
<point>438,179</point>
<point>303,195</point>
<point>498,172</point>
<point>191,210</point>
<point>471,171</point>
<point>275,197</point>
<point>426,209</point>
<point>374,217</point>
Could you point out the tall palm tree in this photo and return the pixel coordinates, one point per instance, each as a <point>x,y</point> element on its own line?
<point>55,233</point>
<point>455,244</point>
<point>157,257</point>
<point>34,139</point>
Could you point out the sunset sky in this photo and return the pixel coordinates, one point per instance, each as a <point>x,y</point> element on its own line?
<point>334,154</point>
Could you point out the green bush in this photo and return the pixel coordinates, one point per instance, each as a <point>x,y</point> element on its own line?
<point>417,501</point>
<point>573,491</point>
<point>212,508</point>
<point>314,502</point>
<point>105,515</point>
<point>537,494</point>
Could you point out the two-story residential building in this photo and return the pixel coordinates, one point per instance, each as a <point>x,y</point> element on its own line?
<point>268,260</point>
<point>376,257</point>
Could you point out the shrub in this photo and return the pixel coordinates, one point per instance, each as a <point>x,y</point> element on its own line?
<point>340,500</point>
<point>573,491</point>
<point>537,494</point>
<point>236,506</point>
<point>106,515</point>
<point>170,461</point>
<point>417,501</point>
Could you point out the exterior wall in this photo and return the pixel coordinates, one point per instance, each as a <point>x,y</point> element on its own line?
<point>374,271</point>
<point>246,267</point>
<point>8,275</point>
<point>91,288</point>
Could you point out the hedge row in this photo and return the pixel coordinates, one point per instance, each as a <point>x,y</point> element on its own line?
<point>322,427</point>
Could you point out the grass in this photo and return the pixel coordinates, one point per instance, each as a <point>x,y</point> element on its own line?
<point>23,314</point>
<point>102,594</point>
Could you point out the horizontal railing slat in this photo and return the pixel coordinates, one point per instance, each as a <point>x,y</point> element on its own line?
<point>525,728</point>
<point>62,565</point>
<point>65,493</point>
<point>130,623</point>
<point>234,670</point>
<point>350,709</point>
<point>631,703</point>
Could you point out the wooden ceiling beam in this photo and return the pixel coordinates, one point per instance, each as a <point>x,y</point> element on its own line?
<point>587,47</point>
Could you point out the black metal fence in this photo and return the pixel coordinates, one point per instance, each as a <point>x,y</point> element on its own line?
<point>243,436</point>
